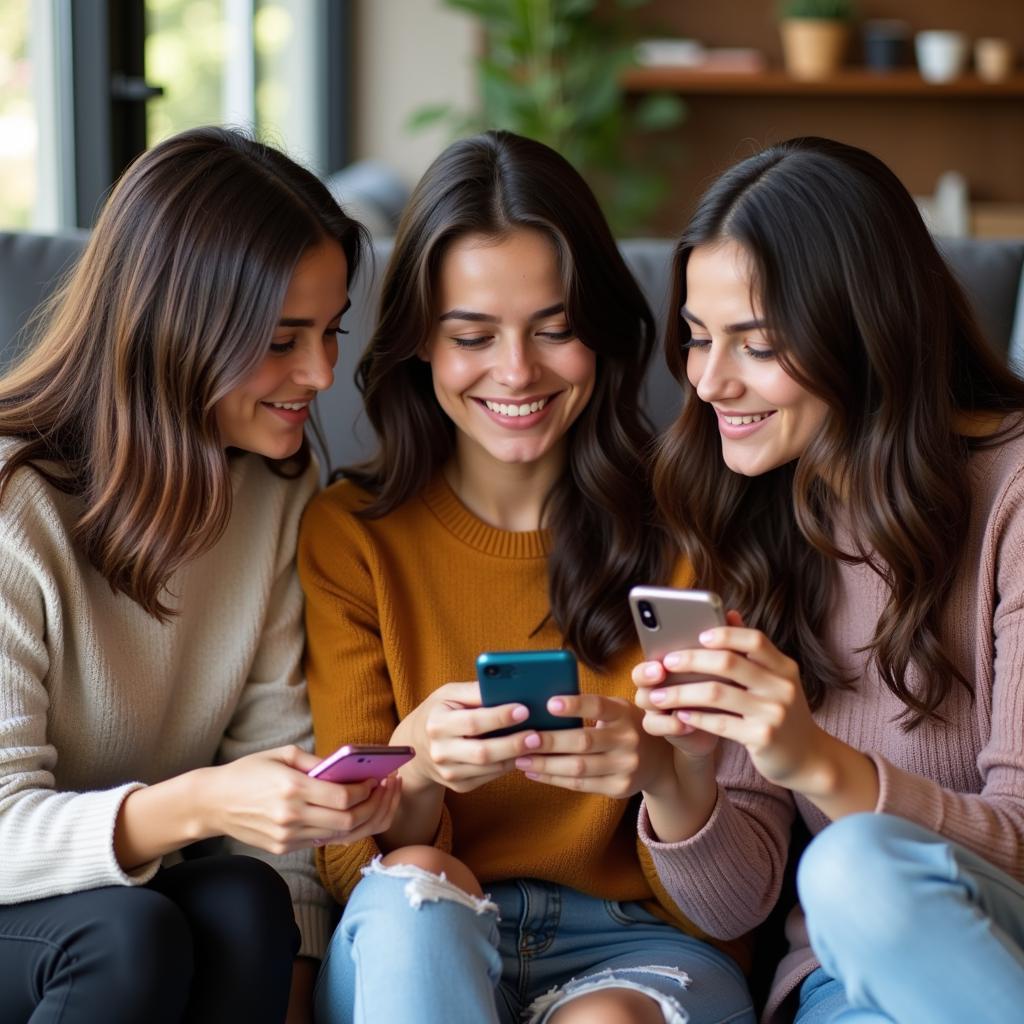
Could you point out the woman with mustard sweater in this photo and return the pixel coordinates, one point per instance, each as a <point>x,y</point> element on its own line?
<point>507,509</point>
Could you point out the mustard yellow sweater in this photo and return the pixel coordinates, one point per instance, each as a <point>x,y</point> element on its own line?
<point>398,606</point>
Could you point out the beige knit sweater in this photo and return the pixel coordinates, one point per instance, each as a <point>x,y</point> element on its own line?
<point>97,698</point>
<point>962,778</point>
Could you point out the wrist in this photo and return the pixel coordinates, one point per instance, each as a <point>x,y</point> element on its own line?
<point>683,777</point>
<point>821,773</point>
<point>202,819</point>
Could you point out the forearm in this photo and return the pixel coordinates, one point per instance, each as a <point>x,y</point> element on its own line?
<point>840,780</point>
<point>158,819</point>
<point>681,806</point>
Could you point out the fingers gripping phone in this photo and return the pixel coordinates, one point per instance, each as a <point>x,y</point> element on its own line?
<point>531,678</point>
<point>672,620</point>
<point>353,763</point>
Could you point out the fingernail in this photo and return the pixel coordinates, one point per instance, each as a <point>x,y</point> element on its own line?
<point>531,775</point>
<point>532,741</point>
<point>675,661</point>
<point>524,762</point>
<point>658,696</point>
<point>652,672</point>
<point>683,716</point>
<point>707,636</point>
<point>556,704</point>
<point>520,713</point>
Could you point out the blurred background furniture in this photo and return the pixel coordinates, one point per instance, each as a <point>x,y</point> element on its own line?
<point>991,270</point>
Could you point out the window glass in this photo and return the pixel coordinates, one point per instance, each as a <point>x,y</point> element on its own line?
<point>19,129</point>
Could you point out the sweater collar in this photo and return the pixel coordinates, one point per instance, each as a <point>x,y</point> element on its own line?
<point>444,503</point>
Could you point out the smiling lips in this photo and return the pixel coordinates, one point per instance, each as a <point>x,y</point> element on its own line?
<point>741,424</point>
<point>291,412</point>
<point>523,412</point>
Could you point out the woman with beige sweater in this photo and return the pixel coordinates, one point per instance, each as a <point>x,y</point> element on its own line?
<point>848,473</point>
<point>153,470</point>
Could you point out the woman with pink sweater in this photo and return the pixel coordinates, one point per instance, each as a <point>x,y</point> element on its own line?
<point>848,473</point>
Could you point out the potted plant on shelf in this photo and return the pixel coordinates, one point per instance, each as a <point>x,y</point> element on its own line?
<point>814,36</point>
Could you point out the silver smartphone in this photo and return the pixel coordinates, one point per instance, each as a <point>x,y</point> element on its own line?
<point>671,620</point>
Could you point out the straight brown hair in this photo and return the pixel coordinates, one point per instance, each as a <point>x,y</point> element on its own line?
<point>601,511</point>
<point>864,313</point>
<point>171,305</point>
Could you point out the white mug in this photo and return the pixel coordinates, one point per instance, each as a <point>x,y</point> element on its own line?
<point>941,55</point>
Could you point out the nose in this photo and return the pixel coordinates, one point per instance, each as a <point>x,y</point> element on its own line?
<point>716,377</point>
<point>516,366</point>
<point>314,366</point>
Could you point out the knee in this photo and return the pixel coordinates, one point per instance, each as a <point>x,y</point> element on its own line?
<point>247,906</point>
<point>436,862</point>
<point>611,1006</point>
<point>251,892</point>
<point>858,870</point>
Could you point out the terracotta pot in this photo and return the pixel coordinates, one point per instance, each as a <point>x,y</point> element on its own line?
<point>813,48</point>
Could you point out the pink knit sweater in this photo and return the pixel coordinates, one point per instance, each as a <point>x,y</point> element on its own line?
<point>962,778</point>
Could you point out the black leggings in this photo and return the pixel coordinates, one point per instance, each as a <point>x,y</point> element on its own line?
<point>211,939</point>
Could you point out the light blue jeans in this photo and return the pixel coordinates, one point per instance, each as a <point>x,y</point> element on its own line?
<point>909,928</point>
<point>413,949</point>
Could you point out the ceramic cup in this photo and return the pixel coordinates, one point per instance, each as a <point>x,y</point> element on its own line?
<point>993,59</point>
<point>941,55</point>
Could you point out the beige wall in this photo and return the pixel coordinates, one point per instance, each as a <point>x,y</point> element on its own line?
<point>408,53</point>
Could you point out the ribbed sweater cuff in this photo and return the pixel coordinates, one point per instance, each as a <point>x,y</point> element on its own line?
<point>907,795</point>
<point>709,872</point>
<point>87,861</point>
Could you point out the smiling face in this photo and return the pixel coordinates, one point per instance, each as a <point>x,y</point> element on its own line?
<point>506,366</point>
<point>267,411</point>
<point>765,418</point>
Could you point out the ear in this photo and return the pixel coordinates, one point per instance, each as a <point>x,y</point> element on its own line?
<point>423,351</point>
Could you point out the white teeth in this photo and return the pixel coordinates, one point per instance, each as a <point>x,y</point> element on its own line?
<point>739,421</point>
<point>515,410</point>
<point>292,406</point>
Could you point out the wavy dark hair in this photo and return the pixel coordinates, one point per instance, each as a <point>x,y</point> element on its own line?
<point>864,313</point>
<point>172,304</point>
<point>601,510</point>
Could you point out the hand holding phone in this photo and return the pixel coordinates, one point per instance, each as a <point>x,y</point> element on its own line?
<point>354,763</point>
<point>530,678</point>
<point>669,620</point>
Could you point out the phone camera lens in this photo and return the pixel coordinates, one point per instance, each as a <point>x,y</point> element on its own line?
<point>647,616</point>
<point>491,670</point>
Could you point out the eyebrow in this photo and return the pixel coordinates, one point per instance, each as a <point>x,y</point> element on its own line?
<point>745,325</point>
<point>298,321</point>
<point>468,314</point>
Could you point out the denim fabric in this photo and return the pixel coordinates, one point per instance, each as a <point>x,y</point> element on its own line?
<point>446,961</point>
<point>914,928</point>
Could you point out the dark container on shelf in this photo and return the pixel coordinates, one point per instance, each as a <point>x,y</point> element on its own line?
<point>885,44</point>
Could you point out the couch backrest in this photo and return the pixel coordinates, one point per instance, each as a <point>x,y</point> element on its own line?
<point>991,272</point>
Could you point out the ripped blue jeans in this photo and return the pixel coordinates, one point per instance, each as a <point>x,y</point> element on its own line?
<point>413,949</point>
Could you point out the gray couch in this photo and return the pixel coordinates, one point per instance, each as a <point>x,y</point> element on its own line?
<point>991,271</point>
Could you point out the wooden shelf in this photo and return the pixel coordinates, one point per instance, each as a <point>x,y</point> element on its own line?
<point>854,82</point>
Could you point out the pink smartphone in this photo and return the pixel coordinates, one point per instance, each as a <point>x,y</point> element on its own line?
<point>353,763</point>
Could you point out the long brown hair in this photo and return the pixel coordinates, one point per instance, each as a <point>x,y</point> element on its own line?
<point>864,313</point>
<point>601,510</point>
<point>171,305</point>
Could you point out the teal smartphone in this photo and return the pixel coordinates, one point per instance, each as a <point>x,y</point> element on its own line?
<point>531,678</point>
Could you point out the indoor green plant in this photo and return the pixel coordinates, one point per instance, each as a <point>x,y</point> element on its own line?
<point>551,69</point>
<point>814,36</point>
